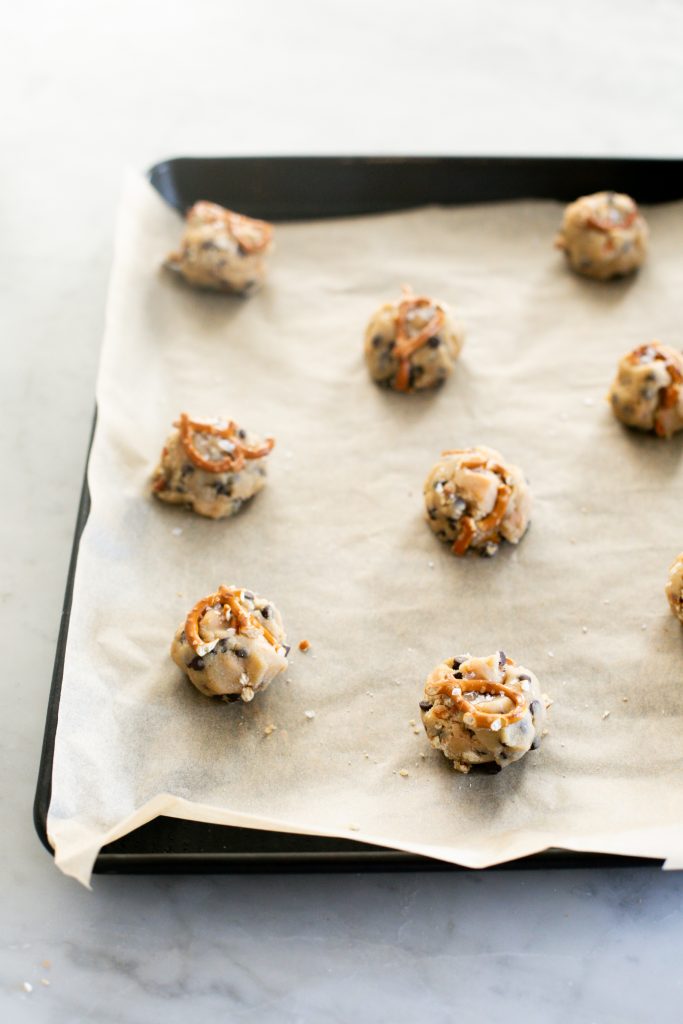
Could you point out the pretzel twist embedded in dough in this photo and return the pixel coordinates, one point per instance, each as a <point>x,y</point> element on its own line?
<point>469,526</point>
<point>234,460</point>
<point>406,346</point>
<point>668,396</point>
<point>455,690</point>
<point>235,615</point>
<point>600,224</point>
<point>236,223</point>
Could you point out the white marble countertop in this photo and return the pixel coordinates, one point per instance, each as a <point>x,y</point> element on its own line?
<point>87,89</point>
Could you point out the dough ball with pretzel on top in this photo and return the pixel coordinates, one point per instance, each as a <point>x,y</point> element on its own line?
<point>603,235</point>
<point>222,250</point>
<point>231,645</point>
<point>474,499</point>
<point>647,392</point>
<point>483,712</point>
<point>211,466</point>
<point>412,344</point>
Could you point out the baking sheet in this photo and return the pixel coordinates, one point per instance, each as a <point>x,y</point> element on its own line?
<point>337,541</point>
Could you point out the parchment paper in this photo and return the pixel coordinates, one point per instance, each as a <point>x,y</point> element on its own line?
<point>338,542</point>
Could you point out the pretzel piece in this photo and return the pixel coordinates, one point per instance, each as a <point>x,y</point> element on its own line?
<point>455,690</point>
<point>234,460</point>
<point>601,224</point>
<point>668,396</point>
<point>496,514</point>
<point>234,613</point>
<point>466,535</point>
<point>237,225</point>
<point>406,346</point>
<point>469,527</point>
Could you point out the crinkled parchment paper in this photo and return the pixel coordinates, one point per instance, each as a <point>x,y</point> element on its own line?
<point>337,540</point>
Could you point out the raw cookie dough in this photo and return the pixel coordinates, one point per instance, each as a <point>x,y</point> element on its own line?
<point>222,250</point>
<point>474,499</point>
<point>646,392</point>
<point>411,344</point>
<point>483,711</point>
<point>212,467</point>
<point>603,235</point>
<point>231,645</point>
<point>674,587</point>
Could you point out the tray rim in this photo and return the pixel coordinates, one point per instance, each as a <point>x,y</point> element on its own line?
<point>365,857</point>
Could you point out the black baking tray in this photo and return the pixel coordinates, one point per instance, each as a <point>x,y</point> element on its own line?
<point>297,188</point>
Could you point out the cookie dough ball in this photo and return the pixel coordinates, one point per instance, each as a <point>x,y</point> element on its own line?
<point>411,344</point>
<point>483,711</point>
<point>231,645</point>
<point>222,250</point>
<point>674,587</point>
<point>646,392</point>
<point>474,499</point>
<point>603,235</point>
<point>212,467</point>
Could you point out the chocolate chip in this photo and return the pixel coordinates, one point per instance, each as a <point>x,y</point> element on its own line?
<point>432,513</point>
<point>241,434</point>
<point>183,637</point>
<point>248,595</point>
<point>377,341</point>
<point>240,652</point>
<point>230,698</point>
<point>187,469</point>
<point>208,245</point>
<point>523,675</point>
<point>222,646</point>
<point>457,662</point>
<point>457,675</point>
<point>426,705</point>
<point>223,487</point>
<point>265,612</point>
<point>197,663</point>
<point>434,342</point>
<point>179,489</point>
<point>391,346</point>
<point>535,707</point>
